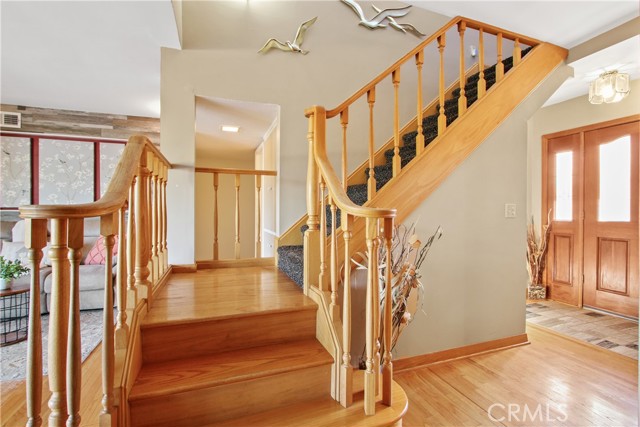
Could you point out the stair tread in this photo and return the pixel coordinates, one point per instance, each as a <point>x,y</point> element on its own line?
<point>327,412</point>
<point>163,378</point>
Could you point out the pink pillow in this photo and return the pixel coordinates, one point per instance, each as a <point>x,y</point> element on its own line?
<point>97,254</point>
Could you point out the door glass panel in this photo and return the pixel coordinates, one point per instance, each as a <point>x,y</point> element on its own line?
<point>614,203</point>
<point>564,187</point>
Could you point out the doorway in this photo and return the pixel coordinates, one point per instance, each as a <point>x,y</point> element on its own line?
<point>590,185</point>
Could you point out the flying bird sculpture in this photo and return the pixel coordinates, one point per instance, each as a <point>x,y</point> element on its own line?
<point>290,46</point>
<point>376,21</point>
<point>401,27</point>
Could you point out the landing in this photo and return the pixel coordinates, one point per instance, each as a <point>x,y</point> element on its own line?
<point>223,293</point>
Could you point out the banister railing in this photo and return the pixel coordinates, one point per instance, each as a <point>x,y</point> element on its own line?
<point>236,173</point>
<point>326,193</point>
<point>133,209</point>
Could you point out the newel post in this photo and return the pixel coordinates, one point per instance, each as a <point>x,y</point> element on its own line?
<point>312,235</point>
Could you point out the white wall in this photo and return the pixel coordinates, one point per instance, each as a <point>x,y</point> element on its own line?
<point>566,115</point>
<point>475,275</point>
<point>267,159</point>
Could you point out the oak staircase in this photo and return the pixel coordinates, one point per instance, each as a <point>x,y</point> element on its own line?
<point>173,360</point>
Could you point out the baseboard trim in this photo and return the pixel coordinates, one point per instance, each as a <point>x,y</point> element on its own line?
<point>230,263</point>
<point>184,268</point>
<point>459,352</point>
<point>163,281</point>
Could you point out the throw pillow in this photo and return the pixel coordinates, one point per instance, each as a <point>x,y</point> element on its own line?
<point>97,254</point>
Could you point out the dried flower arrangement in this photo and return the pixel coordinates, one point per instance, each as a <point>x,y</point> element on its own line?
<point>407,255</point>
<point>536,258</point>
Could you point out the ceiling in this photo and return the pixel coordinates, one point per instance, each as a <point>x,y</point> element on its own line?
<point>254,119</point>
<point>104,56</point>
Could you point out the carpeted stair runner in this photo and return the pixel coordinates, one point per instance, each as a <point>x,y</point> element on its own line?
<point>290,258</point>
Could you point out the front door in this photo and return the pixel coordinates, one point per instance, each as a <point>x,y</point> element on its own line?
<point>611,219</point>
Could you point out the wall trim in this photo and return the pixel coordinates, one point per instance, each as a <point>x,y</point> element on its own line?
<point>183,268</point>
<point>413,362</point>
<point>231,263</point>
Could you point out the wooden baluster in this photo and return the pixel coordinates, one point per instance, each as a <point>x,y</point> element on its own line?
<point>132,293</point>
<point>107,415</point>
<point>322,276</point>
<point>482,83</point>
<point>420,136</point>
<point>149,208</point>
<point>35,240</point>
<point>162,219</point>
<point>397,162</point>
<point>58,322</point>
<point>387,365</point>
<point>344,121</point>
<point>346,388</point>
<point>237,245</point>
<point>371,182</point>
<point>122,330</point>
<point>517,52</point>
<point>333,307</point>
<point>164,215</point>
<point>462,100</point>
<point>442,117</point>
<point>142,251</point>
<point>370,375</point>
<point>215,216</point>
<point>74,349</point>
<point>154,222</point>
<point>259,210</point>
<point>311,267</point>
<point>499,63</point>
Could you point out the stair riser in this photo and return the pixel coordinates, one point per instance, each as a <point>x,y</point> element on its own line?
<point>172,342</point>
<point>211,405</point>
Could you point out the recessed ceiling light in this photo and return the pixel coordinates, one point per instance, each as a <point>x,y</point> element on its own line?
<point>226,128</point>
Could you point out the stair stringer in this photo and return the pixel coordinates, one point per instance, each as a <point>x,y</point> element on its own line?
<point>441,157</point>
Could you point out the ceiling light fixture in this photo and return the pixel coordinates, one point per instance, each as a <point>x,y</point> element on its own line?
<point>609,87</point>
<point>227,128</point>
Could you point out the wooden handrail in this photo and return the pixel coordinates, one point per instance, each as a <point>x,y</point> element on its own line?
<point>470,23</point>
<point>233,171</point>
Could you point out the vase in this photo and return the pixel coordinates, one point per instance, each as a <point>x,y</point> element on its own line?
<point>537,292</point>
<point>5,284</point>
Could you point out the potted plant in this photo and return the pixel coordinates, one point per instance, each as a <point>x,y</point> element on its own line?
<point>10,270</point>
<point>536,259</point>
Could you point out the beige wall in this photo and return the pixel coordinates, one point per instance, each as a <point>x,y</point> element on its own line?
<point>563,116</point>
<point>266,158</point>
<point>226,209</point>
<point>220,60</point>
<point>475,276</point>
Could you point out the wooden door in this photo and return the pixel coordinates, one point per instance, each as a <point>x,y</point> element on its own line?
<point>564,257</point>
<point>611,219</point>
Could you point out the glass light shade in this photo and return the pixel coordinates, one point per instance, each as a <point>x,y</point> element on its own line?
<point>609,87</point>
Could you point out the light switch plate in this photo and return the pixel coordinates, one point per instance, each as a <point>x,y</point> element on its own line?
<point>510,210</point>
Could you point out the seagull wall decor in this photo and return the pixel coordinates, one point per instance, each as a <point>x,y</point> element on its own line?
<point>290,46</point>
<point>400,27</point>
<point>376,21</point>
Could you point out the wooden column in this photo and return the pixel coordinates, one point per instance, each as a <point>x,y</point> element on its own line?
<point>420,136</point>
<point>462,100</point>
<point>164,215</point>
<point>387,365</point>
<point>132,294</point>
<point>122,330</point>
<point>442,117</point>
<point>322,276</point>
<point>371,182</point>
<point>155,200</point>
<point>311,270</point>
<point>499,64</point>
<point>107,414</point>
<point>346,376</point>
<point>237,241</point>
<point>370,375</point>
<point>333,307</point>
<point>142,249</point>
<point>259,216</point>
<point>35,240</point>
<point>74,349</point>
<point>482,83</point>
<point>517,52</point>
<point>216,182</point>
<point>58,322</point>
<point>397,163</point>
<point>344,121</point>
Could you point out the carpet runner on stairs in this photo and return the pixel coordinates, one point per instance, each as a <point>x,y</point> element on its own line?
<point>290,258</point>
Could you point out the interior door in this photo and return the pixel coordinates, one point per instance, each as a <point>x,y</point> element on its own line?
<point>611,219</point>
<point>564,256</point>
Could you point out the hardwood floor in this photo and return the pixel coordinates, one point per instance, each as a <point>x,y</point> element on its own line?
<point>582,385</point>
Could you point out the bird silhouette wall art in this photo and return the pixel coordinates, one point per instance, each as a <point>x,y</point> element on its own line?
<point>289,46</point>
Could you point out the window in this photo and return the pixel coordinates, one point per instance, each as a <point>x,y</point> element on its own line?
<point>564,187</point>
<point>614,201</point>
